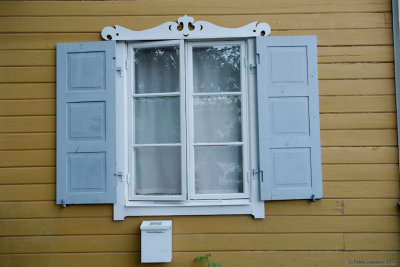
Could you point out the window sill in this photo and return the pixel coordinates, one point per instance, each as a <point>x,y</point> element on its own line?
<point>206,207</point>
<point>192,203</point>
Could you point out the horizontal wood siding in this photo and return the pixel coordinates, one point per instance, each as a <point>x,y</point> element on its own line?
<point>358,218</point>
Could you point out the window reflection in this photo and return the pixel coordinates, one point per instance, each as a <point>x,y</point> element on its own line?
<point>216,69</point>
<point>156,70</point>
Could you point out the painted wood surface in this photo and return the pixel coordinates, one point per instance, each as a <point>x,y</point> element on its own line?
<point>288,118</point>
<point>87,175</point>
<point>326,54</point>
<point>184,259</point>
<point>357,220</point>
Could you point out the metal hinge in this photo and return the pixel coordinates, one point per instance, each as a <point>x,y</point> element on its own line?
<point>123,175</point>
<point>256,171</point>
<point>253,67</point>
<point>63,203</point>
<point>121,71</point>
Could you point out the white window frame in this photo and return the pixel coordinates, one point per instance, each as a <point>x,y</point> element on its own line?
<point>196,31</point>
<point>244,106</point>
<point>187,131</point>
<point>135,207</point>
<point>131,95</point>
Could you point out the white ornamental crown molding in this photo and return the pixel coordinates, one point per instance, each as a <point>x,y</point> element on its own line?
<point>185,28</point>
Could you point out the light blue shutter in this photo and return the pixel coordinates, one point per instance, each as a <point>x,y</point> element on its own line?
<point>86,122</point>
<point>288,118</point>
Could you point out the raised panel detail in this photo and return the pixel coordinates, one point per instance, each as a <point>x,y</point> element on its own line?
<point>86,121</point>
<point>289,139</point>
<point>86,172</point>
<point>289,116</point>
<point>291,167</point>
<point>86,141</point>
<point>86,71</point>
<point>289,65</point>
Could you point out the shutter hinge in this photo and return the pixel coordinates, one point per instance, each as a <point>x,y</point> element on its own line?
<point>313,199</point>
<point>123,175</point>
<point>256,171</point>
<point>63,203</point>
<point>121,71</point>
<point>253,67</point>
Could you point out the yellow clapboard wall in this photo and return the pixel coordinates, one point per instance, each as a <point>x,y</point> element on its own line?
<point>358,218</point>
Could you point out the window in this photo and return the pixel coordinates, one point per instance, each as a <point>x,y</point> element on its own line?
<point>188,120</point>
<point>188,126</point>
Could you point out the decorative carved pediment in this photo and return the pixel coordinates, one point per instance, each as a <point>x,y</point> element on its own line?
<point>185,28</point>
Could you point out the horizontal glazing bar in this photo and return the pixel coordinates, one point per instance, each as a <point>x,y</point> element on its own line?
<point>219,144</point>
<point>157,94</point>
<point>154,145</point>
<point>217,94</point>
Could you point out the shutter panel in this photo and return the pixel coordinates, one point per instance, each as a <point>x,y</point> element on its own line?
<point>288,118</point>
<point>86,123</point>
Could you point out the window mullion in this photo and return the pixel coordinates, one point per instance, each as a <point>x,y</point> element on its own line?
<point>190,119</point>
<point>184,138</point>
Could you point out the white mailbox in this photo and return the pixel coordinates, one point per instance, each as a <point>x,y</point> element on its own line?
<point>156,241</point>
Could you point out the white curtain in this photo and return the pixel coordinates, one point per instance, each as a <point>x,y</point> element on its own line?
<point>158,170</point>
<point>217,118</point>
<point>157,121</point>
<point>218,169</point>
<point>216,69</point>
<point>157,70</point>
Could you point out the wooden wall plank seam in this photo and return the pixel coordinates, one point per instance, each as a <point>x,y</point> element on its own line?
<point>143,8</point>
<point>185,259</point>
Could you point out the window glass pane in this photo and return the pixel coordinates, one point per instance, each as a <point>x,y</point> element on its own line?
<point>156,70</point>
<point>218,169</point>
<point>216,68</point>
<point>158,170</point>
<point>157,120</point>
<point>217,119</point>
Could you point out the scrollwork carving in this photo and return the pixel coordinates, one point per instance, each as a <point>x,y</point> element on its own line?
<point>185,28</point>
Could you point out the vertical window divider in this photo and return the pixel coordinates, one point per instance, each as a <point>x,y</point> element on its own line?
<point>183,120</point>
<point>245,119</point>
<point>190,118</point>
